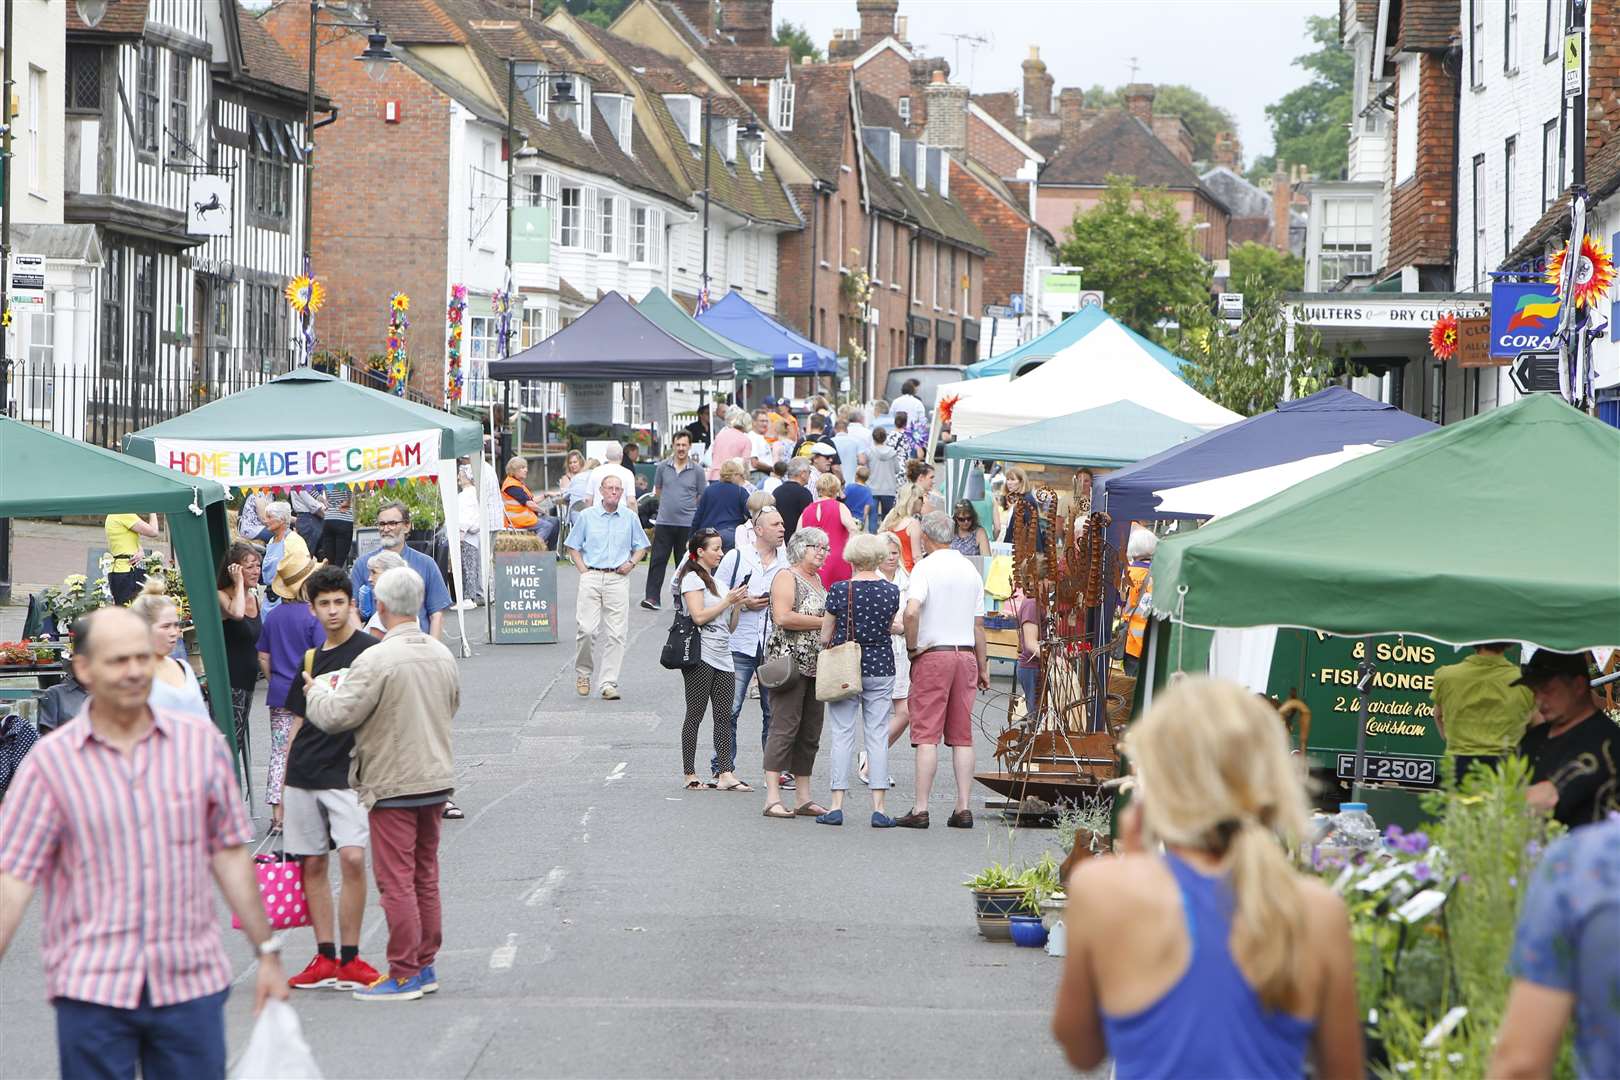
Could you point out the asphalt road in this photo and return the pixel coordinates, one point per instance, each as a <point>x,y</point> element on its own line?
<point>600,921</point>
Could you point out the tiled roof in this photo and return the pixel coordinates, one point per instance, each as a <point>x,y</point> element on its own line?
<point>995,184</point>
<point>1602,181</point>
<point>266,61</point>
<point>1118,144</point>
<point>1003,106</point>
<point>940,216</point>
<point>1045,145</point>
<point>820,117</point>
<point>123,17</point>
<point>1242,198</point>
<point>749,61</point>
<point>415,22</point>
<point>1427,25</point>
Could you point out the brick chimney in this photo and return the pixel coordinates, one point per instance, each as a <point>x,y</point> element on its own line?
<point>1282,201</point>
<point>1139,102</point>
<point>877,20</point>
<point>748,22</point>
<point>1228,151</point>
<point>700,14</point>
<point>1037,85</point>
<point>1173,133</point>
<point>1071,108</point>
<point>947,116</point>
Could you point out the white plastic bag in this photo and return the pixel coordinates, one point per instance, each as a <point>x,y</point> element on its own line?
<point>276,1050</point>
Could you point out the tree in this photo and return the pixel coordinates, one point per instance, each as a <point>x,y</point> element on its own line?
<point>797,40</point>
<point>1203,118</point>
<point>1135,247</point>
<point>1249,368</point>
<point>596,12</point>
<point>1308,124</point>
<point>1259,268</point>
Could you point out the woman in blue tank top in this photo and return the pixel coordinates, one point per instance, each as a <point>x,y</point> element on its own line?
<point>1213,959</point>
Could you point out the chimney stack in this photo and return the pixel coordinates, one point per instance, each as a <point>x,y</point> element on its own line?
<point>748,22</point>
<point>1139,102</point>
<point>700,14</point>
<point>1037,85</point>
<point>1174,134</point>
<point>946,126</point>
<point>1071,114</point>
<point>1228,151</point>
<point>877,20</point>
<point>1282,201</point>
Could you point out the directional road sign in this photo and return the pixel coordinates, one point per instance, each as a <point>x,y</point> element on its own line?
<point>1536,373</point>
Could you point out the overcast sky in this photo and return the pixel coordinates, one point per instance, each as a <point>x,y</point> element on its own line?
<point>1239,53</point>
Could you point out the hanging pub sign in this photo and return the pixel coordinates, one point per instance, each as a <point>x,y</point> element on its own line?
<point>1474,343</point>
<point>208,205</point>
<point>525,598</point>
<point>1524,318</point>
<point>288,463</point>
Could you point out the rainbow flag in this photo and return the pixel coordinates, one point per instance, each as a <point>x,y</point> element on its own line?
<point>1531,309</point>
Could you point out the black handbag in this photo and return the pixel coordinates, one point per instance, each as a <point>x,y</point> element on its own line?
<point>682,649</point>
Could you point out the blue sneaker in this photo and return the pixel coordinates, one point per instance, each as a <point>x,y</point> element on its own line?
<point>429,980</point>
<point>880,820</point>
<point>388,989</point>
<point>831,817</point>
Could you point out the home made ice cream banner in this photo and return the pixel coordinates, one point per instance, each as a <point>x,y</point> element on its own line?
<point>289,463</point>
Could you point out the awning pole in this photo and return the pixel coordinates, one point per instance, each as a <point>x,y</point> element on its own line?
<point>1364,678</point>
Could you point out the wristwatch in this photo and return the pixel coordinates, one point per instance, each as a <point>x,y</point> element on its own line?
<point>270,946</point>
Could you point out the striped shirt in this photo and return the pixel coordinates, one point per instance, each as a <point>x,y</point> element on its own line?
<point>121,845</point>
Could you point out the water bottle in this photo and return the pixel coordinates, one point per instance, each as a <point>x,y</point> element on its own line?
<point>1350,832</point>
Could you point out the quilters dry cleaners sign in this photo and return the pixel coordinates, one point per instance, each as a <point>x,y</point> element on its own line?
<point>1524,318</point>
<point>304,462</point>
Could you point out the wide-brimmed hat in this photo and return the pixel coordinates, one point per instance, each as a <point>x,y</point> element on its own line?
<point>291,573</point>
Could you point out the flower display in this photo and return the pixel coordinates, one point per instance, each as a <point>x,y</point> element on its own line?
<point>398,362</point>
<point>453,375</point>
<point>1594,274</point>
<point>1443,336</point>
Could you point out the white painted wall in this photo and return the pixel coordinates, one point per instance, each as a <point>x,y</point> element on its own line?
<point>39,39</point>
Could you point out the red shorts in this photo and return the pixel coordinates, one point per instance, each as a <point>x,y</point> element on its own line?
<point>944,686</point>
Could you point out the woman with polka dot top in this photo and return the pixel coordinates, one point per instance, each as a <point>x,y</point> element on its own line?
<point>863,609</point>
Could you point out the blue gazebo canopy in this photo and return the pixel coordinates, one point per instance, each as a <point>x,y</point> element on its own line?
<point>1322,423</point>
<point>735,319</point>
<point>1066,333</point>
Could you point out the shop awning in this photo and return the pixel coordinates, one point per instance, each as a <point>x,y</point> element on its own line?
<point>1324,422</point>
<point>736,320</point>
<point>1499,528</point>
<point>1107,437</point>
<point>1018,361</point>
<point>670,317</point>
<point>612,342</point>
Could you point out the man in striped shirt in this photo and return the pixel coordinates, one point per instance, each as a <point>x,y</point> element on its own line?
<point>123,814</point>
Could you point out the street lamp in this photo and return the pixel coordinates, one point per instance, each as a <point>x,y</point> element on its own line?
<point>563,102</point>
<point>91,12</point>
<point>750,137</point>
<point>376,57</point>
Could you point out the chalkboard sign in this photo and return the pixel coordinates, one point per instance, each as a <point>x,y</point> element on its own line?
<point>525,598</point>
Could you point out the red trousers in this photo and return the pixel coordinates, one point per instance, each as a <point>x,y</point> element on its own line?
<point>405,860</point>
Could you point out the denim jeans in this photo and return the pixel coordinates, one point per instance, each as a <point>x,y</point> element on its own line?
<point>745,665</point>
<point>186,1039</point>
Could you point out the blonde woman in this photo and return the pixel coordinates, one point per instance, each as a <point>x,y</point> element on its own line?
<point>174,684</point>
<point>900,716</point>
<point>731,442</point>
<point>1214,959</point>
<point>832,517</point>
<point>904,521</point>
<point>723,506</point>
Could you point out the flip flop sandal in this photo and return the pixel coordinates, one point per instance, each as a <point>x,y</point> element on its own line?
<point>453,812</point>
<point>740,785</point>
<point>785,815</point>
<point>695,785</point>
<point>810,809</point>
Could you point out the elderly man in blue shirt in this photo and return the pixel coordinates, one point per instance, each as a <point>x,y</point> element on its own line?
<point>393,522</point>
<point>606,542</point>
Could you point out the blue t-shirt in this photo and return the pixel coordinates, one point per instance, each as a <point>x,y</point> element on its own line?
<point>290,630</point>
<point>435,597</point>
<point>1569,938</point>
<point>858,498</point>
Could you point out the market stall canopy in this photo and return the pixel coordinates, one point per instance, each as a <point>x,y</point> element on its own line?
<point>735,319</point>
<point>307,404</point>
<point>1326,421</point>
<point>1037,351</point>
<point>1500,528</point>
<point>1227,494</point>
<point>1104,366</point>
<point>1105,437</point>
<point>612,342</point>
<point>670,317</point>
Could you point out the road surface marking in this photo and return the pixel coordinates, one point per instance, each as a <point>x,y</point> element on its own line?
<point>618,771</point>
<point>502,957</point>
<point>542,892</point>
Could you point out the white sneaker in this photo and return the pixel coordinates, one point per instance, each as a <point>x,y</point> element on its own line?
<point>464,605</point>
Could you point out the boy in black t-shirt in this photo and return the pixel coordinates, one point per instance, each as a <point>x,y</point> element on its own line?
<point>320,809</point>
<point>1575,754</point>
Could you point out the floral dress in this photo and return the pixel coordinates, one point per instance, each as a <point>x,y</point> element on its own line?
<point>809,598</point>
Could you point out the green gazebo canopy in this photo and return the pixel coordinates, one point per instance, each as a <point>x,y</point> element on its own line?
<point>1500,528</point>
<point>661,310</point>
<point>1109,436</point>
<point>43,474</point>
<point>309,404</point>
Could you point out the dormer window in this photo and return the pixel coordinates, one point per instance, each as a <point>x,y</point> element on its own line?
<point>781,104</point>
<point>920,172</point>
<point>533,87</point>
<point>687,112</point>
<point>904,107</point>
<point>894,154</point>
<point>723,137</point>
<point>756,157</point>
<point>617,110</point>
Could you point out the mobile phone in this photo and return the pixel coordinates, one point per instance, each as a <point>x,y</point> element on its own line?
<point>746,578</point>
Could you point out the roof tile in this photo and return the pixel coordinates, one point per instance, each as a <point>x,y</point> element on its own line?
<point>265,60</point>
<point>123,17</point>
<point>1118,144</point>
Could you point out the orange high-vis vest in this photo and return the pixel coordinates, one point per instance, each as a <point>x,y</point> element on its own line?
<point>1140,603</point>
<point>516,496</point>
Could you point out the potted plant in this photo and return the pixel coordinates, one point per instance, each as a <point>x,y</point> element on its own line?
<point>997,892</point>
<point>1083,831</point>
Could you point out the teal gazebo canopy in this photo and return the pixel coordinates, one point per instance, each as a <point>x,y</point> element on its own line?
<point>1109,437</point>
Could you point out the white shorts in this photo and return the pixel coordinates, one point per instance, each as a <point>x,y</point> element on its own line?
<point>902,669</point>
<point>315,821</point>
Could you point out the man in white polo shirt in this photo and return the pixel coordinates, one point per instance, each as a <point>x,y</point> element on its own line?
<point>945,641</point>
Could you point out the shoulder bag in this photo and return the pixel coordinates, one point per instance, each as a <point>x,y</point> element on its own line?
<point>838,669</point>
<point>777,672</point>
<point>683,648</point>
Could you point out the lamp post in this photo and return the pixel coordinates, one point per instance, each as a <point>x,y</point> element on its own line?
<point>5,278</point>
<point>378,61</point>
<point>563,90</point>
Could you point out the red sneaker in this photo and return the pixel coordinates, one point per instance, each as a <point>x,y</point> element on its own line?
<point>356,975</point>
<point>320,975</point>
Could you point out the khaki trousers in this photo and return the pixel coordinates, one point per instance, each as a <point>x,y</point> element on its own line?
<point>602,611</point>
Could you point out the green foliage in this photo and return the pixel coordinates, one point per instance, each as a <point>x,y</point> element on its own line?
<point>1040,882</point>
<point>1204,119</point>
<point>427,512</point>
<point>1134,246</point>
<point>1308,123</point>
<point>994,876</point>
<point>1260,268</point>
<point>1249,368</point>
<point>597,12</point>
<point>1093,815</point>
<point>797,39</point>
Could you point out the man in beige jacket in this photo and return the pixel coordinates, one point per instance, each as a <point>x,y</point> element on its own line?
<point>398,698</point>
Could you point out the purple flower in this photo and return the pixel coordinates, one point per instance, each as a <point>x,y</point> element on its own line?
<point>1422,873</point>
<point>1394,832</point>
<point>1413,843</point>
<point>1533,850</point>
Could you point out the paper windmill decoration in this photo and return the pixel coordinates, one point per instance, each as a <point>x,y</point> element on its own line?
<point>304,293</point>
<point>1593,274</point>
<point>1443,336</point>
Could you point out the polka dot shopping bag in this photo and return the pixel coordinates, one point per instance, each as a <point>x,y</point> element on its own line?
<point>281,887</point>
